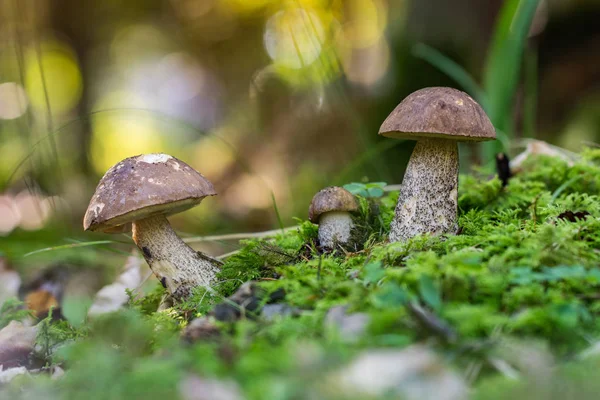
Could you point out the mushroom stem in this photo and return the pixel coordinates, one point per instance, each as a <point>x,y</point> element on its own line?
<point>178,267</point>
<point>334,228</point>
<point>428,196</point>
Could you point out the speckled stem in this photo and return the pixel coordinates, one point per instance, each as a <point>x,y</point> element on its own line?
<point>178,267</point>
<point>427,202</point>
<point>334,228</point>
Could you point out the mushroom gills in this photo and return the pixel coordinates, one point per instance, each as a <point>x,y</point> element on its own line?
<point>335,228</point>
<point>177,266</point>
<point>428,196</point>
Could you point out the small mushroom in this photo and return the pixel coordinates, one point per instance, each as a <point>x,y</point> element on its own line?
<point>438,118</point>
<point>144,190</point>
<point>331,208</point>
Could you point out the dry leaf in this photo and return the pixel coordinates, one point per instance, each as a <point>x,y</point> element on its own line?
<point>16,345</point>
<point>114,296</point>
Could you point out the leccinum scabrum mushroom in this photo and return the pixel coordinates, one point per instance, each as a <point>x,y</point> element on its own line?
<point>331,208</point>
<point>438,118</point>
<point>144,190</point>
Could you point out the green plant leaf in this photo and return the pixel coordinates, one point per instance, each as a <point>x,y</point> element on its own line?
<point>373,272</point>
<point>391,295</point>
<point>354,187</point>
<point>430,293</point>
<point>565,272</point>
<point>503,66</point>
<point>452,69</point>
<point>375,192</point>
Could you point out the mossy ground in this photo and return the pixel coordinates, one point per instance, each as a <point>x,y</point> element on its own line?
<point>524,266</point>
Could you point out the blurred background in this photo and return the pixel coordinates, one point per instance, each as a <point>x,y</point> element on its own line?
<point>270,100</point>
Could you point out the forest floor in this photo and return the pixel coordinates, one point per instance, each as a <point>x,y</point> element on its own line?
<point>507,308</point>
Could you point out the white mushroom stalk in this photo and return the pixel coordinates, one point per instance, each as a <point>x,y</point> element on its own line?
<point>335,228</point>
<point>178,267</point>
<point>428,198</point>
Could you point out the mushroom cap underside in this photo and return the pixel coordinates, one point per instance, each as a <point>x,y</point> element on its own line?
<point>438,112</point>
<point>144,186</point>
<point>333,198</point>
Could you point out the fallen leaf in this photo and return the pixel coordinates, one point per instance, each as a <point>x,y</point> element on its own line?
<point>196,388</point>
<point>542,148</point>
<point>414,373</point>
<point>7,375</point>
<point>40,302</point>
<point>573,216</point>
<point>114,296</point>
<point>16,345</point>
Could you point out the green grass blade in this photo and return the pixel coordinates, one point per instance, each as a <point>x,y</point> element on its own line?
<point>531,92</point>
<point>276,209</point>
<point>564,187</point>
<point>69,246</point>
<point>452,69</point>
<point>371,153</point>
<point>503,65</point>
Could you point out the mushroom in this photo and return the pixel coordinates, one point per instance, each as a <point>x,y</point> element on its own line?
<point>331,208</point>
<point>144,190</point>
<point>437,118</point>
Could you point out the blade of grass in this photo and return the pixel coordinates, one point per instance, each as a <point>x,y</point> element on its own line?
<point>563,187</point>
<point>108,248</point>
<point>503,65</point>
<point>452,69</point>
<point>276,209</point>
<point>365,157</point>
<point>68,246</point>
<point>531,91</point>
<point>239,236</point>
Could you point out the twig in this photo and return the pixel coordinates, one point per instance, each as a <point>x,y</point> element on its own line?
<point>224,256</point>
<point>238,236</point>
<point>392,188</point>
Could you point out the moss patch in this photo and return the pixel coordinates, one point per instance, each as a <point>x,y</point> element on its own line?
<point>525,265</point>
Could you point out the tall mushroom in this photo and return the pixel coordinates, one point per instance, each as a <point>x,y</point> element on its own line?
<point>144,190</point>
<point>437,118</point>
<point>331,208</point>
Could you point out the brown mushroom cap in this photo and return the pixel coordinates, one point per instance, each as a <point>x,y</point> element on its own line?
<point>333,198</point>
<point>144,186</point>
<point>438,112</point>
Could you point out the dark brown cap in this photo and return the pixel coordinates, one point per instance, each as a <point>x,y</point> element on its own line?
<point>333,198</point>
<point>438,112</point>
<point>143,186</point>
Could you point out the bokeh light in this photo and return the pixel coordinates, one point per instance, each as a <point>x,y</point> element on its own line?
<point>12,152</point>
<point>52,76</point>
<point>211,156</point>
<point>137,44</point>
<point>122,129</point>
<point>365,22</point>
<point>9,215</point>
<point>368,65</point>
<point>13,100</point>
<point>245,7</point>
<point>253,191</point>
<point>180,78</point>
<point>33,209</point>
<point>293,38</point>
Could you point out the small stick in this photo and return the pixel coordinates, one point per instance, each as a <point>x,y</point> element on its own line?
<point>238,236</point>
<point>224,256</point>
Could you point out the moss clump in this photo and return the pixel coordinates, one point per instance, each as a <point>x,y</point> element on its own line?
<point>13,310</point>
<point>525,264</point>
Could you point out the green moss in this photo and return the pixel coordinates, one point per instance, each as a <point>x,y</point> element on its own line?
<point>519,267</point>
<point>13,310</point>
